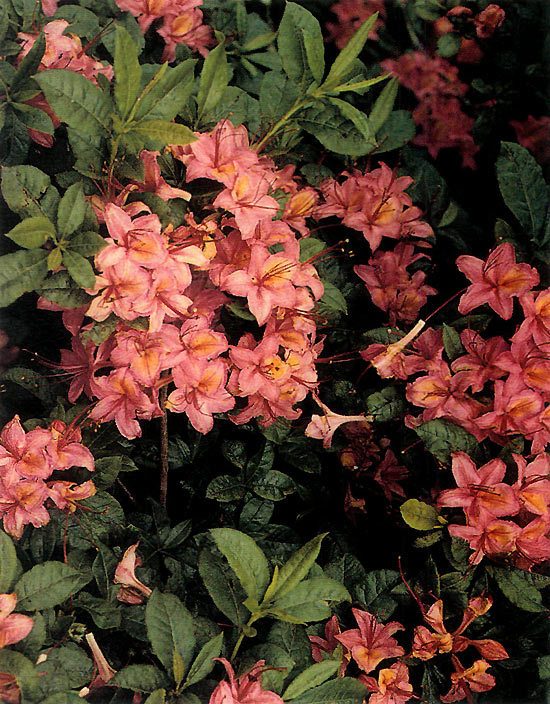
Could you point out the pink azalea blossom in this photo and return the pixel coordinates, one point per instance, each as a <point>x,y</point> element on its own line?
<point>371,642</point>
<point>13,627</point>
<point>323,427</point>
<point>247,689</point>
<point>131,591</point>
<point>392,686</point>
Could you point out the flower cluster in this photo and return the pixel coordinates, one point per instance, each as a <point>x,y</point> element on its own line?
<point>374,203</point>
<point>181,23</point>
<point>487,499</point>
<point>350,16</point>
<point>439,92</point>
<point>179,279</point>
<point>27,460</point>
<point>484,25</point>
<point>62,51</point>
<point>391,287</point>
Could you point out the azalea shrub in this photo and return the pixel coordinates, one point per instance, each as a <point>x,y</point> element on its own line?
<point>274,352</point>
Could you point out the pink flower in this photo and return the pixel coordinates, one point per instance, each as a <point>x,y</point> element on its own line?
<point>247,689</point>
<point>323,427</point>
<point>489,20</point>
<point>495,281</point>
<point>468,680</point>
<point>13,627</point>
<point>392,687</point>
<point>131,590</point>
<point>371,642</point>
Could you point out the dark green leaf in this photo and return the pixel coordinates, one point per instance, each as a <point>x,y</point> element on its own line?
<point>23,187</point>
<point>14,663</point>
<point>71,210</point>
<point>245,559</point>
<point>224,589</point>
<point>169,628</point>
<point>274,485</point>
<point>31,381</point>
<point>278,93</point>
<point>76,100</point>
<point>86,243</point>
<point>226,488</point>
<point>8,562</point>
<point>386,405</point>
<point>374,592</point>
<point>60,289</point>
<point>79,269</point>
<point>32,232</point>
<point>21,272</point>
<point>169,95</point>
<point>46,585</point>
<point>449,44</point>
<point>398,129</point>
<point>103,568</point>
<point>234,451</point>
<point>442,437</point>
<point>104,613</point>
<point>127,71</point>
<point>452,343</point>
<point>332,300</point>
<point>334,131</point>
<point>29,64</point>
<point>523,189</point>
<point>519,587</point>
<point>140,678</point>
<point>213,80</point>
<point>204,663</point>
<point>34,118</point>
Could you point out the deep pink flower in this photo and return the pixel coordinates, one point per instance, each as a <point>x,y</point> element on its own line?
<point>371,642</point>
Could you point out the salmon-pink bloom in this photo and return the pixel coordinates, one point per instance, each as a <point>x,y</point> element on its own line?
<point>328,644</point>
<point>488,537</point>
<point>248,201</point>
<point>247,689</point>
<point>23,454</point>
<point>533,543</point>
<point>533,484</point>
<point>537,318</point>
<point>121,399</point>
<point>186,27</point>
<point>66,495</point>
<point>392,686</point>
<point>516,408</point>
<point>371,642</point>
<point>117,289</point>
<point>480,364</point>
<point>468,680</point>
<point>153,181</point>
<point>131,589</point>
<point>323,427</point>
<point>65,449</point>
<point>489,20</point>
<point>495,281</point>
<point>481,491</point>
<point>23,503</point>
<point>13,627</point>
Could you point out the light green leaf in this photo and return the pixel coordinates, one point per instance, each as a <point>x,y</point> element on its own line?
<point>32,232</point>
<point>8,562</point>
<point>20,272</point>
<point>344,61</point>
<point>71,210</point>
<point>140,678</point>
<point>300,44</point>
<point>164,131</point>
<point>312,677</point>
<point>311,590</point>
<point>157,697</point>
<point>419,515</point>
<point>245,559</point>
<point>359,85</point>
<point>79,268</point>
<point>170,629</point>
<point>47,585</point>
<point>127,71</point>
<point>296,568</point>
<point>213,81</point>
<point>448,44</point>
<point>204,662</point>
<point>76,100</point>
<point>344,690</point>
<point>169,95</point>
<point>383,106</point>
<point>523,188</point>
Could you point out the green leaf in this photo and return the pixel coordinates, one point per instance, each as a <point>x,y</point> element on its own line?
<point>34,118</point>
<point>332,300</point>
<point>169,628</point>
<point>106,516</point>
<point>127,71</point>
<point>67,667</point>
<point>140,678</point>
<point>358,118</point>
<point>29,64</point>
<point>213,81</point>
<point>76,100</point>
<point>386,405</point>
<point>168,95</point>
<point>80,269</point>
<point>86,243</point>
<point>226,488</point>
<point>448,44</point>
<point>46,585</point>
<point>359,85</point>
<point>59,289</point>
<point>312,677</point>
<point>343,63</point>
<point>23,188</point>
<point>300,44</point>
<point>442,437</point>
<point>105,614</point>
<point>519,587</point>
<point>374,592</point>
<point>224,590</point>
<point>31,381</point>
<point>157,697</point>
<point>20,272</point>
<point>452,343</point>
<point>204,662</point>
<point>296,568</point>
<point>307,601</point>
<point>419,515</point>
<point>274,485</point>
<point>398,129</point>
<point>13,663</point>
<point>383,106</point>
<point>63,698</point>
<point>523,189</point>
<point>310,247</point>
<point>278,93</point>
<point>8,562</point>
<point>71,210</point>
<point>335,132</point>
<point>164,131</point>
<point>245,559</point>
<point>32,232</point>
<point>543,664</point>
<point>344,690</point>
<point>103,568</point>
